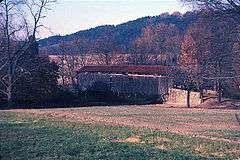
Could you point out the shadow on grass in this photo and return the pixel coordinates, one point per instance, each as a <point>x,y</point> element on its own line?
<point>86,99</point>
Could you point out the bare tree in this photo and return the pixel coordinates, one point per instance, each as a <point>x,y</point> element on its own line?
<point>68,65</point>
<point>220,64</point>
<point>72,68</point>
<point>221,59</point>
<point>19,36</point>
<point>207,52</point>
<point>61,63</point>
<point>233,6</point>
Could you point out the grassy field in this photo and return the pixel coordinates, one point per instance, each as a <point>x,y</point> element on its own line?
<point>119,133</point>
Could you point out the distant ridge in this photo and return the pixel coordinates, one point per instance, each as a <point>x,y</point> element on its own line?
<point>121,38</point>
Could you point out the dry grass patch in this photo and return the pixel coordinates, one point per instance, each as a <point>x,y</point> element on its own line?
<point>200,149</point>
<point>203,151</point>
<point>218,154</point>
<point>162,139</point>
<point>161,147</point>
<point>133,139</point>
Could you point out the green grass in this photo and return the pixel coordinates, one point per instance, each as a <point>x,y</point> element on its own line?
<point>24,137</point>
<point>203,114</point>
<point>227,134</point>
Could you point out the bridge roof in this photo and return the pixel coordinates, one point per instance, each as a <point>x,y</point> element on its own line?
<point>127,69</point>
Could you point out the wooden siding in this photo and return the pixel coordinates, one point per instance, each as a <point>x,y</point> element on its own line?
<point>125,84</point>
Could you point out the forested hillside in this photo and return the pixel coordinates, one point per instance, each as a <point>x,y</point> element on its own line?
<point>153,35</point>
<point>159,39</point>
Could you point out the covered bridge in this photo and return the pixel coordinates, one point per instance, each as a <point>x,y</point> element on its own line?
<point>142,80</point>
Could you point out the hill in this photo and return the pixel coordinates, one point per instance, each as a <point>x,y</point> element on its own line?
<point>128,37</point>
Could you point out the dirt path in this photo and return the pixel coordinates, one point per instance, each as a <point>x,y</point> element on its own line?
<point>203,123</point>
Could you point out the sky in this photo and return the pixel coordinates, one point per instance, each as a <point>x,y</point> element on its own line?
<point>69,16</point>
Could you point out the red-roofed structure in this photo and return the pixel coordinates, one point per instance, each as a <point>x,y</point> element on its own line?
<point>131,69</point>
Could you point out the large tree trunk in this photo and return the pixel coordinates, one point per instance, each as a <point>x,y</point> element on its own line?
<point>9,96</point>
<point>188,99</point>
<point>219,90</point>
<point>10,83</point>
<point>201,95</point>
<point>9,57</point>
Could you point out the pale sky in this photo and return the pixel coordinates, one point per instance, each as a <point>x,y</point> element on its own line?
<point>69,16</point>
